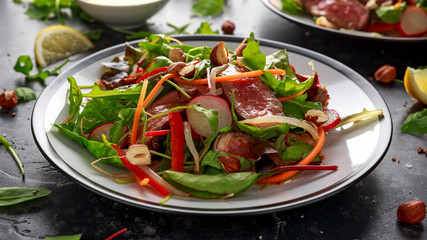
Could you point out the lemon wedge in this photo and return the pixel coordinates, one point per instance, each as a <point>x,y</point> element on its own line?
<point>416,83</point>
<point>58,42</point>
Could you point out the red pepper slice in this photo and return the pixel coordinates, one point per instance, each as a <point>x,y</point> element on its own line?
<point>177,141</point>
<point>139,172</point>
<point>380,27</point>
<point>152,73</point>
<point>157,133</point>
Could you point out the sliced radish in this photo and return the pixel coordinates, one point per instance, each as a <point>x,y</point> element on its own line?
<point>413,22</point>
<point>334,119</point>
<point>199,121</point>
<point>96,133</point>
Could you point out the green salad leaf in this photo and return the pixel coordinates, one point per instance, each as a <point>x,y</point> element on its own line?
<point>292,7</point>
<point>68,237</point>
<point>205,28</point>
<point>416,123</point>
<point>297,107</point>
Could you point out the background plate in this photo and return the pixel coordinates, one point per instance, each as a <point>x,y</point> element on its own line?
<point>356,150</point>
<point>307,19</point>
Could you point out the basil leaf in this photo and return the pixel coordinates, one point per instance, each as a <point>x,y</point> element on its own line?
<point>70,237</point>
<point>25,94</point>
<point>416,123</point>
<point>203,8</point>
<point>14,195</point>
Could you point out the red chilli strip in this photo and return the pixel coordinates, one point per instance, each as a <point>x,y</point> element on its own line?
<point>157,133</point>
<point>120,232</point>
<point>177,141</point>
<point>303,167</point>
<point>139,172</point>
<point>152,73</point>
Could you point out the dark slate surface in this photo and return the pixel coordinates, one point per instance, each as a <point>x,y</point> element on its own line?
<point>366,210</point>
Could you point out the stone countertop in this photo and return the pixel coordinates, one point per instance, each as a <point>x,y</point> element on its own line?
<point>365,210</point>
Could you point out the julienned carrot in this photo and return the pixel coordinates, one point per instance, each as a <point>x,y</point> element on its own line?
<point>157,87</point>
<point>137,115</point>
<point>233,77</point>
<point>282,99</point>
<point>307,160</point>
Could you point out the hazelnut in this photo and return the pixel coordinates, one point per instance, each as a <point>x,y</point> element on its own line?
<point>228,27</point>
<point>138,154</point>
<point>182,68</point>
<point>411,212</point>
<point>316,116</point>
<point>219,55</point>
<point>8,99</point>
<point>385,74</point>
<point>230,164</point>
<point>176,55</point>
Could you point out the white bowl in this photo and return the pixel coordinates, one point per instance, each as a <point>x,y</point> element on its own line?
<point>123,14</point>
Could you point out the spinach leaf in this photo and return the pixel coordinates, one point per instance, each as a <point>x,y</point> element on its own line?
<point>212,185</point>
<point>416,123</point>
<point>389,14</point>
<point>203,8</point>
<point>205,28</point>
<point>25,94</point>
<point>297,152</point>
<point>97,149</point>
<point>10,149</point>
<point>14,195</point>
<point>100,111</point>
<point>70,237</point>
<point>298,106</point>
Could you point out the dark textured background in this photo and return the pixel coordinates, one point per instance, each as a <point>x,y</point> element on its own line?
<point>366,210</point>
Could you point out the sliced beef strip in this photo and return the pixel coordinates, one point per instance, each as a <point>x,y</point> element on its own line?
<point>252,98</point>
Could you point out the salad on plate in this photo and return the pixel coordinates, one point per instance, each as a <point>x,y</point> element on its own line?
<point>201,121</point>
<point>391,18</point>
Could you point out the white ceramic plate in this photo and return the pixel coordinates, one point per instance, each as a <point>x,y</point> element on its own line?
<point>307,19</point>
<point>356,150</point>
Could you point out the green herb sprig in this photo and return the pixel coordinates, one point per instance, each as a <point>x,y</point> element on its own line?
<point>10,149</point>
<point>24,65</point>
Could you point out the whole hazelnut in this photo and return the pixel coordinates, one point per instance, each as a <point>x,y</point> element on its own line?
<point>385,74</point>
<point>8,99</point>
<point>411,212</point>
<point>228,27</point>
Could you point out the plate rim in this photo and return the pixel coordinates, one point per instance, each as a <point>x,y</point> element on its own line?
<point>295,19</point>
<point>40,135</point>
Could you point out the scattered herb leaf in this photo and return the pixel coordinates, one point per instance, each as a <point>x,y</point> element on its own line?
<point>203,8</point>
<point>24,65</point>
<point>70,237</point>
<point>134,35</point>
<point>25,94</point>
<point>416,123</point>
<point>205,28</point>
<point>14,195</point>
